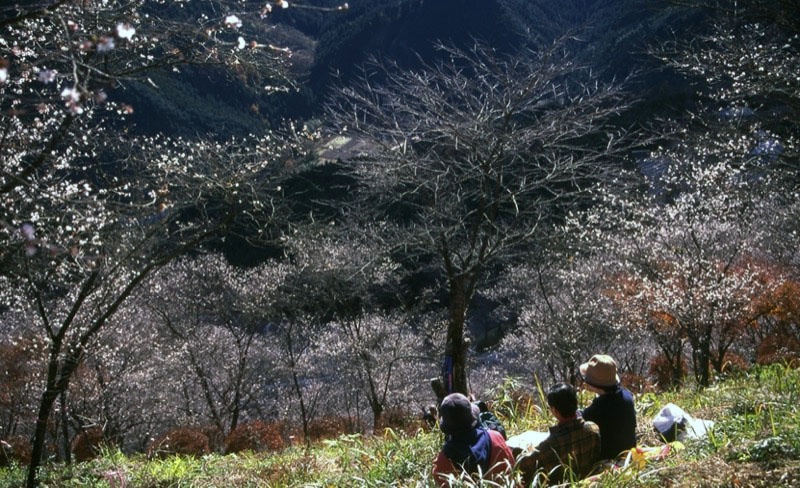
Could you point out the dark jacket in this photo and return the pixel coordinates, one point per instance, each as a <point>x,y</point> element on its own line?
<point>613,412</point>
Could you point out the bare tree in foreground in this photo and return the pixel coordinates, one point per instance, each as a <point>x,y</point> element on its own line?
<point>474,157</point>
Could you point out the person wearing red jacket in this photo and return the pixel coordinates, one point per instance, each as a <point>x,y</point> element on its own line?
<point>468,447</point>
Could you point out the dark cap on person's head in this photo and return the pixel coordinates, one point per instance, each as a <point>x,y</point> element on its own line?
<point>563,398</point>
<point>457,414</point>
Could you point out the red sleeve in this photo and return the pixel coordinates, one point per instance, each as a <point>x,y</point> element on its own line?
<point>442,466</point>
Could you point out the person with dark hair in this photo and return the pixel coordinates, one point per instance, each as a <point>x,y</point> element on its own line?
<point>612,410</point>
<point>573,446</point>
<point>468,446</point>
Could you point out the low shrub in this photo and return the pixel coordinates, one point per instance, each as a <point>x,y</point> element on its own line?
<point>86,445</point>
<point>399,420</point>
<point>636,383</point>
<point>732,363</point>
<point>661,373</point>
<point>255,435</point>
<point>778,348</point>
<point>329,427</point>
<point>189,441</point>
<point>14,449</point>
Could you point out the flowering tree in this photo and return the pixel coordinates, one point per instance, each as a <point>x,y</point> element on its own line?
<point>218,341</point>
<point>476,154</point>
<point>89,212</point>
<point>23,353</point>
<point>324,335</point>
<point>564,313</point>
<point>690,259</point>
<point>123,387</point>
<point>380,356</point>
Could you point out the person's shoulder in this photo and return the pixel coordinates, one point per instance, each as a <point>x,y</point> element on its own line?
<point>626,393</point>
<point>590,426</point>
<point>496,437</point>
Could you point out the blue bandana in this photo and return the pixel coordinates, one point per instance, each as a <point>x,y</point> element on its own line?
<point>469,449</point>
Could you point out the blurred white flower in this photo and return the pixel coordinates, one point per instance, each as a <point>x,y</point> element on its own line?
<point>27,231</point>
<point>47,75</point>
<point>241,44</point>
<point>267,9</point>
<point>284,4</point>
<point>125,31</point>
<point>70,94</point>
<point>233,21</point>
<point>105,44</point>
<point>3,75</point>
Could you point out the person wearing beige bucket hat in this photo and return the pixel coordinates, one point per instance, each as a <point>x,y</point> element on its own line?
<point>612,409</point>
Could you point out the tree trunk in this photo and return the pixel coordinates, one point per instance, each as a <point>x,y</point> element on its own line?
<point>456,345</point>
<point>65,428</point>
<point>303,413</point>
<point>702,356</point>
<point>377,414</point>
<point>37,449</point>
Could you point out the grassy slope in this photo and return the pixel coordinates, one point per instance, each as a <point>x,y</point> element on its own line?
<point>756,442</point>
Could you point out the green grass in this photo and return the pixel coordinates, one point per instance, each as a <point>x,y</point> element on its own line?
<point>755,442</point>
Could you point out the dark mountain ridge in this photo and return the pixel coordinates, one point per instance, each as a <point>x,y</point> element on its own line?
<point>330,47</point>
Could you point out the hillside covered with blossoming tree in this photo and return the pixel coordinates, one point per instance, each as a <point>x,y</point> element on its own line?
<point>250,224</point>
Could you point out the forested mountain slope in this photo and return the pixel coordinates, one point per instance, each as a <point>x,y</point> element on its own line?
<point>329,47</point>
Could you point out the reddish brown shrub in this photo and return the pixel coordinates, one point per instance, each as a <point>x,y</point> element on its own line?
<point>216,439</point>
<point>636,383</point>
<point>733,362</point>
<point>778,348</point>
<point>189,441</point>
<point>15,448</point>
<point>661,373</point>
<point>398,419</point>
<point>255,435</point>
<point>329,427</point>
<point>86,445</point>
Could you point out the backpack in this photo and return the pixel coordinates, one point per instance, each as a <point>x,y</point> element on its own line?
<point>489,421</point>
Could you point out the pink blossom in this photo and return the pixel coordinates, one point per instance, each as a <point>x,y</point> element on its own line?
<point>30,249</point>
<point>47,75</point>
<point>27,231</point>
<point>106,44</point>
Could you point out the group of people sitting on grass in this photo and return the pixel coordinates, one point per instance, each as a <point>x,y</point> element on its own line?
<point>579,443</point>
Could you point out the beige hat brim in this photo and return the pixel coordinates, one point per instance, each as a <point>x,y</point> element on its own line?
<point>585,366</point>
